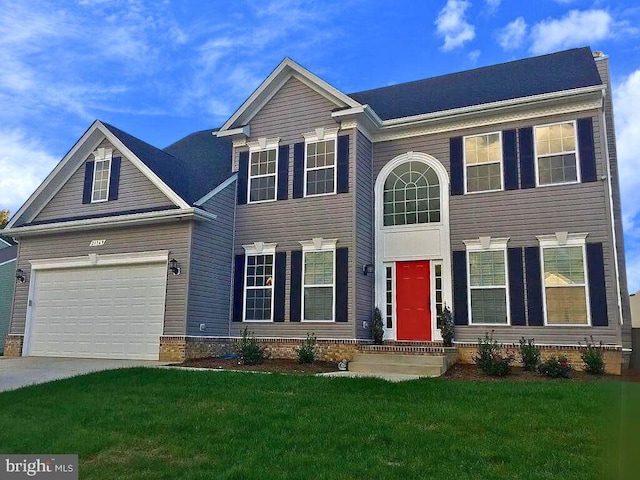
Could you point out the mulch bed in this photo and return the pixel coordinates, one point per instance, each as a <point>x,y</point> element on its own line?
<point>274,365</point>
<point>469,372</point>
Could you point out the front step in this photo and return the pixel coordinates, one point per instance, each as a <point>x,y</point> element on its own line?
<point>421,365</point>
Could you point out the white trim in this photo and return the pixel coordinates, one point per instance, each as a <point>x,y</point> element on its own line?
<point>567,152</point>
<point>276,80</point>
<point>216,190</point>
<point>574,240</point>
<point>253,250</point>
<point>321,135</point>
<point>316,245</point>
<point>7,262</point>
<point>263,145</point>
<point>488,244</point>
<point>466,166</point>
<point>100,260</point>
<point>244,130</point>
<point>5,242</point>
<point>109,222</point>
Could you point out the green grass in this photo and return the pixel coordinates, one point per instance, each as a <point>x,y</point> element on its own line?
<point>165,424</point>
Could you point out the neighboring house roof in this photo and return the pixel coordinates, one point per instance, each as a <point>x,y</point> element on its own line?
<point>191,167</point>
<point>6,242</point>
<point>555,72</point>
<point>8,254</point>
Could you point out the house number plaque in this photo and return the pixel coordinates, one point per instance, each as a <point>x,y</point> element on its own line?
<point>97,243</point>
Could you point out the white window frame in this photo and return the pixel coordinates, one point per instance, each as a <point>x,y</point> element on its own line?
<point>576,152</point>
<point>392,266</point>
<point>101,155</point>
<point>486,244</point>
<point>321,135</point>
<point>253,250</point>
<point>263,145</point>
<point>559,240</point>
<point>464,156</point>
<point>319,245</point>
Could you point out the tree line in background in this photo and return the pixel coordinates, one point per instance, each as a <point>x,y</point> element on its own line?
<point>4,217</point>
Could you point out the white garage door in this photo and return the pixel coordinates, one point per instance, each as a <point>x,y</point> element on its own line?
<point>99,312</point>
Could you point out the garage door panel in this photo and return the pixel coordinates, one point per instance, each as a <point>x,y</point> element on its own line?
<point>100,312</point>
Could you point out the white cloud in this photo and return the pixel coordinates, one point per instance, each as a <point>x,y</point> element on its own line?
<point>511,36</point>
<point>576,28</point>
<point>493,5</point>
<point>452,25</point>
<point>23,166</point>
<point>626,98</point>
<point>474,55</point>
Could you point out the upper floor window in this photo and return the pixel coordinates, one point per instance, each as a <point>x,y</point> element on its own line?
<point>556,153</point>
<point>483,163</point>
<point>320,167</point>
<point>411,195</point>
<point>262,175</point>
<point>101,176</point>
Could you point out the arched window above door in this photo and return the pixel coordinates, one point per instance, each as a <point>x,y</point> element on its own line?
<point>411,195</point>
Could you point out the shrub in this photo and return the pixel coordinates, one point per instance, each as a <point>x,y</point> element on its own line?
<point>555,367</point>
<point>446,326</point>
<point>592,357</point>
<point>307,351</point>
<point>377,327</point>
<point>490,357</point>
<point>530,354</point>
<point>249,351</point>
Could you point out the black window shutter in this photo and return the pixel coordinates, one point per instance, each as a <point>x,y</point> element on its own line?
<point>342,284</point>
<point>88,181</point>
<point>510,159</point>
<point>298,170</point>
<point>527,160</point>
<point>534,286</point>
<point>597,286</point>
<point>457,166</point>
<point>516,286</point>
<point>283,172</point>
<point>243,172</point>
<point>238,288</point>
<point>343,164</point>
<point>114,179</point>
<point>587,150</point>
<point>278,288</point>
<point>295,295</point>
<point>460,307</point>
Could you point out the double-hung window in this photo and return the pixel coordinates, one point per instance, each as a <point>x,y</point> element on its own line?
<point>101,175</point>
<point>488,291</point>
<point>259,282</point>
<point>320,162</point>
<point>565,281</point>
<point>483,162</point>
<point>263,170</point>
<point>556,159</point>
<point>318,280</point>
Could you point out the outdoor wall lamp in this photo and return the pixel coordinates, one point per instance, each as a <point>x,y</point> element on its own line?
<point>173,267</point>
<point>20,276</point>
<point>367,269</point>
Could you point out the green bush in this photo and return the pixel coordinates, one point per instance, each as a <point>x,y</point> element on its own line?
<point>530,354</point>
<point>307,351</point>
<point>249,350</point>
<point>491,358</point>
<point>593,358</point>
<point>555,367</point>
<point>377,327</point>
<point>446,326</point>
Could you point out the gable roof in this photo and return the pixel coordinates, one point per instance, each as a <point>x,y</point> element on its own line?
<point>566,70</point>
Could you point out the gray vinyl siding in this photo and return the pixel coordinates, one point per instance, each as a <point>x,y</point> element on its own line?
<point>174,237</point>
<point>210,281</point>
<point>7,281</point>
<point>521,215</point>
<point>363,219</point>
<point>293,111</point>
<point>135,192</point>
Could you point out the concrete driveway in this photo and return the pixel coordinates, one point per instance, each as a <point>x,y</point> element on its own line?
<point>24,371</point>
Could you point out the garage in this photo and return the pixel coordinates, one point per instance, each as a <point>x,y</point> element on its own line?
<point>97,311</point>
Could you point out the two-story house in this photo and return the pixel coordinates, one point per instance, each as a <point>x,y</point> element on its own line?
<point>492,191</point>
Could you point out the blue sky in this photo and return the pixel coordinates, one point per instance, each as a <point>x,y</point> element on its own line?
<point>161,70</point>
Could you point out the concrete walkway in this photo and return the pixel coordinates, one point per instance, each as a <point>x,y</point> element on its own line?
<point>24,371</point>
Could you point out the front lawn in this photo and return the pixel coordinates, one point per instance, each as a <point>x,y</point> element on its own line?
<point>155,424</point>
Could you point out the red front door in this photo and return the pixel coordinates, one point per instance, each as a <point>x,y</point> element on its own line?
<point>413,300</point>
